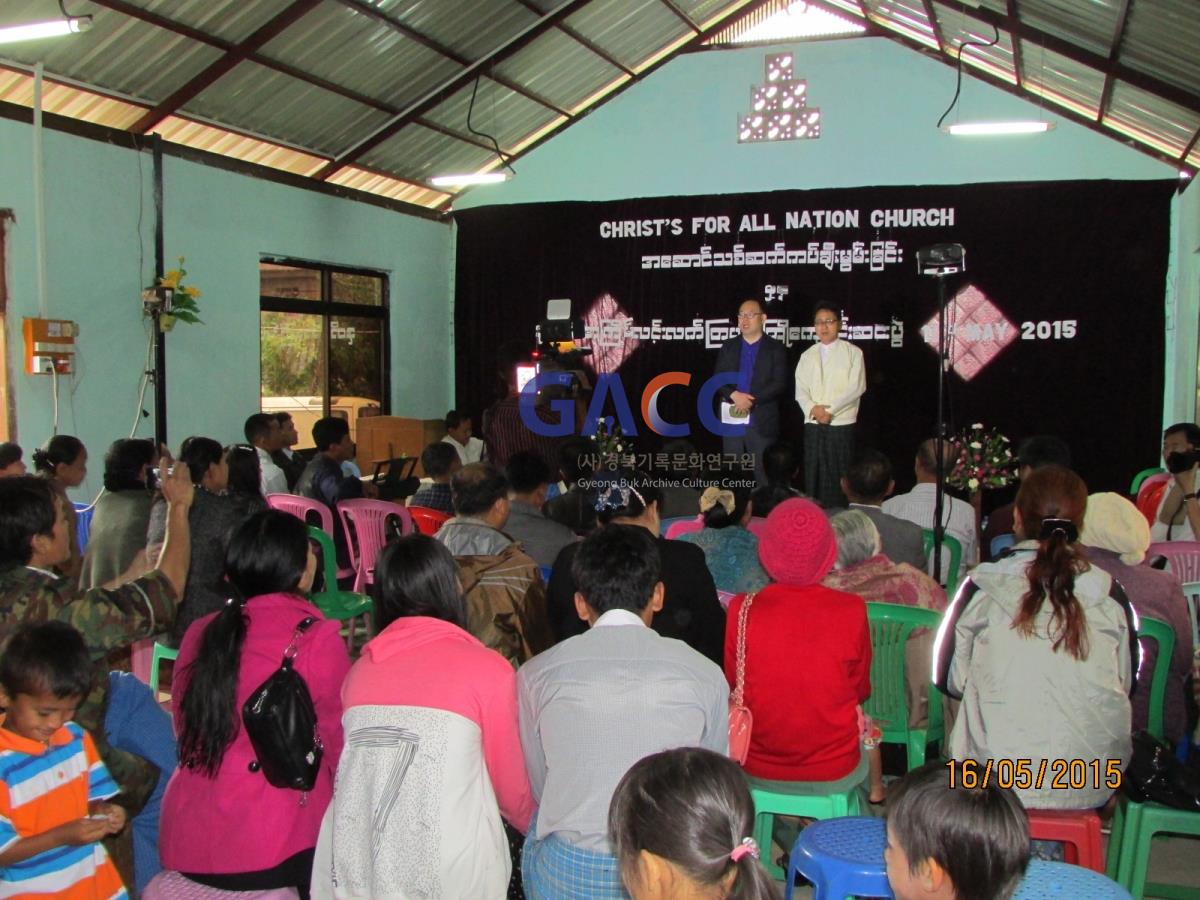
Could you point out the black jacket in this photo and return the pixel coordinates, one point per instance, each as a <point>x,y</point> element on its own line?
<point>771,380</point>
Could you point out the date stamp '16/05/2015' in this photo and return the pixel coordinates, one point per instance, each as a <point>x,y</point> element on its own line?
<point>1029,774</point>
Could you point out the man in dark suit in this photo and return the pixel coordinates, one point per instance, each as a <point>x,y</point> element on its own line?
<point>760,362</point>
<point>867,482</point>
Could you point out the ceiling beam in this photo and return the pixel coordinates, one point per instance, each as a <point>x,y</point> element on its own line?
<point>442,50</point>
<point>681,15</point>
<point>450,86</point>
<point>737,9</point>
<point>934,25</point>
<point>222,66</point>
<point>1114,53</point>
<point>586,42</point>
<point>1014,35</point>
<point>1187,151</point>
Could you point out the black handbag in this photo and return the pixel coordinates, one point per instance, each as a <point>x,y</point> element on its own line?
<point>281,723</point>
<point>1157,775</point>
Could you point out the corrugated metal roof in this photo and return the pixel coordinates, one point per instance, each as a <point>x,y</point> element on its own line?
<point>558,68</point>
<point>1061,80</point>
<point>631,30</point>
<point>1152,119</point>
<point>17,87</point>
<point>502,113</point>
<point>418,154</point>
<point>472,29</point>
<point>374,183</point>
<point>957,28</point>
<point>1156,32</point>
<point>906,16</point>
<point>217,140</point>
<point>1090,24</point>
<point>230,20</point>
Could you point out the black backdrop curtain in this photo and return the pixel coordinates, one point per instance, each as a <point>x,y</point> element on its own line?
<point>1058,318</point>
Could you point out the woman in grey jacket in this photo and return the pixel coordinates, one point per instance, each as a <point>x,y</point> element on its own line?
<point>1041,648</point>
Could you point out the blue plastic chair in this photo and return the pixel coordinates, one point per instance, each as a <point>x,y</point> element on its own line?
<point>842,858</point>
<point>1000,543</point>
<point>1044,880</point>
<point>83,524</point>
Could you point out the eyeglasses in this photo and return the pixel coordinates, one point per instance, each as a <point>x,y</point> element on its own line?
<point>826,322</point>
<point>749,315</point>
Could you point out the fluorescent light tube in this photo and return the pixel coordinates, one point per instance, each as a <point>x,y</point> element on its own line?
<point>464,180</point>
<point>35,30</point>
<point>985,128</point>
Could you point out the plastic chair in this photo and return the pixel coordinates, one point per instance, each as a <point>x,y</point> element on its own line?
<point>891,626</point>
<point>1183,561</point>
<point>162,653</point>
<point>1077,829</point>
<point>1000,543</point>
<point>1164,637</point>
<point>769,804</point>
<point>1044,880</point>
<point>304,508</point>
<point>365,523</point>
<point>951,544</point>
<point>665,525</point>
<point>334,603</point>
<point>1134,826</point>
<point>83,524</point>
<point>427,520</point>
<point>1150,496</point>
<point>757,525</point>
<point>1140,478</point>
<point>174,886</point>
<point>841,857</point>
<point>687,526</point>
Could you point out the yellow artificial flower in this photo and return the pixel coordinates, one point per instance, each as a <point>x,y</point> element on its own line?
<point>171,279</point>
<point>193,292</point>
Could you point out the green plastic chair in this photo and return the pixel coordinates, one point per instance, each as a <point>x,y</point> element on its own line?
<point>891,626</point>
<point>345,606</point>
<point>769,804</point>
<point>955,547</point>
<point>1141,476</point>
<point>1134,825</point>
<point>160,654</point>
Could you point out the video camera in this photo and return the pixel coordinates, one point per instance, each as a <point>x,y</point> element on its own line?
<point>557,351</point>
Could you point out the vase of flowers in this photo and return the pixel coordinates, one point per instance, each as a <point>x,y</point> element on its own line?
<point>608,443</point>
<point>985,462</point>
<point>183,303</point>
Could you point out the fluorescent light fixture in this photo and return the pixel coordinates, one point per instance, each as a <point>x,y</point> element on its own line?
<point>986,128</point>
<point>33,31</point>
<point>469,179</point>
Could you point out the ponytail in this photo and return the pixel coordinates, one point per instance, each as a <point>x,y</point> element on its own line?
<point>1051,502</point>
<point>62,449</point>
<point>209,706</point>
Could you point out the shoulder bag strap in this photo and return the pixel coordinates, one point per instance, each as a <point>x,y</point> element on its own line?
<point>293,646</point>
<point>740,684</point>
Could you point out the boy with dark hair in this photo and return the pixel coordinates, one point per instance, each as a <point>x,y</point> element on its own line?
<point>440,461</point>
<point>51,828</point>
<point>10,460</point>
<point>866,484</point>
<point>529,479</point>
<point>290,462</point>
<point>262,433</point>
<point>324,480</point>
<point>593,705</point>
<point>956,843</point>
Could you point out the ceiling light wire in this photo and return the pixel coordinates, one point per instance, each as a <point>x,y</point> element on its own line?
<point>958,83</point>
<point>483,134</point>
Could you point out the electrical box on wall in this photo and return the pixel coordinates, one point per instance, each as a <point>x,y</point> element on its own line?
<point>50,346</point>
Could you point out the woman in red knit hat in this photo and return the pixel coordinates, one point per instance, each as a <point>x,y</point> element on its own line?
<point>808,658</point>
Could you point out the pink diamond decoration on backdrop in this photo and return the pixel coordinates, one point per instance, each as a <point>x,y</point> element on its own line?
<point>980,332</point>
<point>606,320</point>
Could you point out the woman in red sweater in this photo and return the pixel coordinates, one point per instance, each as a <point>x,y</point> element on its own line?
<point>808,657</point>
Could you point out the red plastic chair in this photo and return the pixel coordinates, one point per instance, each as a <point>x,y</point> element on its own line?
<point>301,508</point>
<point>1079,831</point>
<point>427,520</point>
<point>1150,494</point>
<point>365,523</point>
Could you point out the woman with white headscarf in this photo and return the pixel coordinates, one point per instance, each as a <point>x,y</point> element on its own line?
<point>1117,537</point>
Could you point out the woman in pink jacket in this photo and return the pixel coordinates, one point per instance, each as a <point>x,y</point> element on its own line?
<point>223,825</point>
<point>433,757</point>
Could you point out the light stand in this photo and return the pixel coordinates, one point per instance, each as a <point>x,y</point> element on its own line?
<point>939,261</point>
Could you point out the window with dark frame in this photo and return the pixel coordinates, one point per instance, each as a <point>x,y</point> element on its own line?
<point>322,342</point>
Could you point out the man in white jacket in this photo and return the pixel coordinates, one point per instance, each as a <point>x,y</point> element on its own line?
<point>830,381</point>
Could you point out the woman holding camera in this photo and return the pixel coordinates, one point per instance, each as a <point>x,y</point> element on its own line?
<point>1178,515</point>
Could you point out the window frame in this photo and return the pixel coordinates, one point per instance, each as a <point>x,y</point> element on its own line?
<point>327,308</point>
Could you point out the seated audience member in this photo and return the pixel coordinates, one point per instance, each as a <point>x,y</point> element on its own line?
<point>62,461</point>
<point>679,498</point>
<point>863,569</point>
<point>506,599</point>
<point>118,530</point>
<point>283,456</point>
<point>680,825</point>
<point>223,824</point>
<point>10,460</point>
<point>1041,623</point>
<point>216,514</point>
<point>595,704</point>
<point>1034,452</point>
<point>956,843</point>
<point>808,659</point>
<point>426,680</point>
<point>576,508</point>
<point>1178,515</point>
<point>33,539</point>
<point>440,462</point>
<point>691,611</point>
<point>540,537</point>
<point>458,435</point>
<point>52,828</point>
<point>917,506</point>
<point>866,484</point>
<point>1117,536</point>
<point>505,430</point>
<point>245,474</point>
<point>730,551</point>
<point>323,478</point>
<point>263,433</point>
<point>781,465</point>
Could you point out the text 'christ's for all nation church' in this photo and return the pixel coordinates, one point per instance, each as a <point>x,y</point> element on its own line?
<point>792,220</point>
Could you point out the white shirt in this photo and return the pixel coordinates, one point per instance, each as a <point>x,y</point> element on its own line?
<point>616,617</point>
<point>957,515</point>
<point>831,375</point>
<point>1160,529</point>
<point>471,453</point>
<point>273,481</point>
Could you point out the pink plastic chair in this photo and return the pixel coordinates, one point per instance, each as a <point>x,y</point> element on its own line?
<point>687,527</point>
<point>366,533</point>
<point>173,886</point>
<point>301,507</point>
<point>756,525</point>
<point>1183,561</point>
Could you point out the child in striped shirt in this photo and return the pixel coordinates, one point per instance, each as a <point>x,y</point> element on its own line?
<point>53,786</point>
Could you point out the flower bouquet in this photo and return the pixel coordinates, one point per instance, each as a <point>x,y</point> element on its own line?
<point>985,460</point>
<point>608,444</point>
<point>183,304</point>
